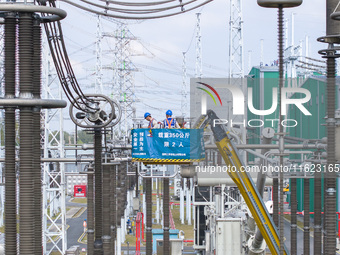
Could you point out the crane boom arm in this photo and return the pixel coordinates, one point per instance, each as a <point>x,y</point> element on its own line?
<point>246,185</point>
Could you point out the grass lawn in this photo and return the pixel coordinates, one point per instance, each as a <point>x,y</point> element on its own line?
<point>188,229</point>
<point>80,200</point>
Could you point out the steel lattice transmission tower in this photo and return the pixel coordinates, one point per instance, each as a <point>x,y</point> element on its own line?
<point>236,63</point>
<point>198,64</point>
<point>236,60</point>
<point>184,93</point>
<point>99,74</point>
<point>124,79</point>
<point>54,200</point>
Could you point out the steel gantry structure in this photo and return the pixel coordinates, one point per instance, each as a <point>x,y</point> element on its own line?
<point>29,105</point>
<point>54,201</point>
<point>236,58</point>
<point>99,67</point>
<point>124,70</point>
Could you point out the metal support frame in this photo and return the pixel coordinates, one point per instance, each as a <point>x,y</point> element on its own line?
<point>54,200</point>
<point>123,71</point>
<point>236,65</point>
<point>236,60</point>
<point>99,74</point>
<point>166,219</point>
<point>154,172</point>
<point>184,92</point>
<point>198,62</point>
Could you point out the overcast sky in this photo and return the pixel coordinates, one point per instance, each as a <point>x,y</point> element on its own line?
<point>161,42</point>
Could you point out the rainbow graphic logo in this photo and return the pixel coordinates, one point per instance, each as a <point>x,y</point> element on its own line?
<point>209,93</point>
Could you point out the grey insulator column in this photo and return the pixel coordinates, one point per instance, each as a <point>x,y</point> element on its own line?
<point>306,219</point>
<point>10,171</point>
<point>330,181</point>
<point>36,64</point>
<point>26,207</point>
<point>293,220</point>
<point>332,30</point>
<point>106,238</point>
<point>98,232</point>
<point>113,205</point>
<point>281,141</point>
<point>90,212</point>
<point>148,229</point>
<point>166,198</point>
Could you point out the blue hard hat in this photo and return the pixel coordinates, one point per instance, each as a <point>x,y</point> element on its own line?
<point>169,112</point>
<point>147,114</point>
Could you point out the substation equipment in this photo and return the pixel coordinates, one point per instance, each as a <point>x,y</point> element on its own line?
<point>218,206</point>
<point>23,104</point>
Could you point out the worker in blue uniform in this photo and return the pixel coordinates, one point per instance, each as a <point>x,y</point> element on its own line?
<point>152,121</point>
<point>170,122</point>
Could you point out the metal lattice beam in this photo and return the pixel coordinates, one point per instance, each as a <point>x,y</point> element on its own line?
<point>236,69</point>
<point>198,63</point>
<point>54,206</point>
<point>236,59</point>
<point>184,100</point>
<point>99,74</point>
<point>123,71</point>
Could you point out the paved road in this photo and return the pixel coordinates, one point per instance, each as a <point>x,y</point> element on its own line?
<point>75,230</point>
<point>75,227</point>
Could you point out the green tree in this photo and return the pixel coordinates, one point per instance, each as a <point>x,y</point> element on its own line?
<point>84,137</point>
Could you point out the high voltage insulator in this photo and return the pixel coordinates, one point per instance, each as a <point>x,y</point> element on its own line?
<point>278,184</point>
<point>314,59</point>
<point>332,38</point>
<point>310,64</point>
<point>90,211</point>
<point>10,171</point>
<point>148,229</point>
<point>166,208</point>
<point>310,68</point>
<point>113,205</point>
<point>98,190</point>
<point>23,62</point>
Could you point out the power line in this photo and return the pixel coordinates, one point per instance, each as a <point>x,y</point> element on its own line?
<point>138,12</point>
